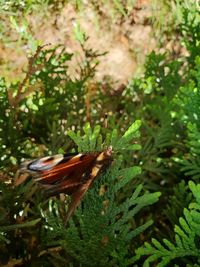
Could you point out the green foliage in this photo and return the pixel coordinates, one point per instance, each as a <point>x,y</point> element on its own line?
<point>107,226</point>
<point>93,139</point>
<point>187,101</point>
<point>49,111</point>
<point>47,94</point>
<point>191,162</point>
<point>181,198</point>
<point>186,238</point>
<point>190,28</point>
<point>108,223</point>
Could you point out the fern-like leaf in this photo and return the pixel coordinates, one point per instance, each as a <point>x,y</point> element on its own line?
<point>186,237</point>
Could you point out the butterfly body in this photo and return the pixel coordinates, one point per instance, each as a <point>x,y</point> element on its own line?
<point>72,174</point>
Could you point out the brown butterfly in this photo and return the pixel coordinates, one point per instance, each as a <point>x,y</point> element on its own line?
<point>72,174</point>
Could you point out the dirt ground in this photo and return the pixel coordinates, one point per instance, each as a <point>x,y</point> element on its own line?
<point>126,39</point>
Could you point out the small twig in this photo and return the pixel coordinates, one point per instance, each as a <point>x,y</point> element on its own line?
<point>14,262</point>
<point>14,101</point>
<point>49,250</point>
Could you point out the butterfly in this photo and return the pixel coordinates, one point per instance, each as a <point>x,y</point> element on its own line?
<point>72,174</point>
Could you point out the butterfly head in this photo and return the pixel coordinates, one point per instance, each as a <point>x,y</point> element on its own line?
<point>109,151</point>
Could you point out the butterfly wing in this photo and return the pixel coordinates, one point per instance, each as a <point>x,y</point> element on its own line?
<point>71,174</point>
<point>102,161</point>
<point>63,176</point>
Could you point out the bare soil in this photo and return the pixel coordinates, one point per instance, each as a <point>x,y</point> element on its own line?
<point>127,40</point>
